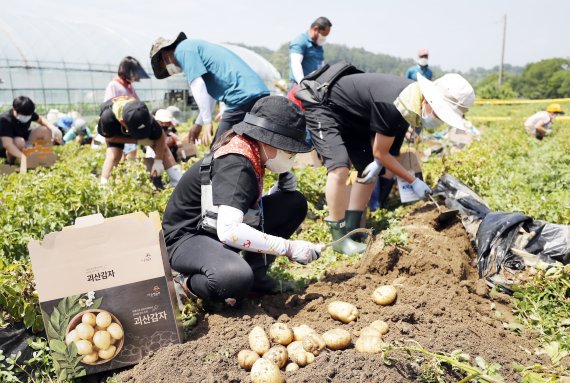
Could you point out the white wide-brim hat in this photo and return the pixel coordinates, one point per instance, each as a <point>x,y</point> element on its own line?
<point>450,97</point>
<point>163,115</point>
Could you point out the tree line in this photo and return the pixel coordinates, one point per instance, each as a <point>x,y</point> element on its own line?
<point>548,78</point>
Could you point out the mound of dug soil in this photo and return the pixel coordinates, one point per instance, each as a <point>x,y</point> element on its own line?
<point>441,304</point>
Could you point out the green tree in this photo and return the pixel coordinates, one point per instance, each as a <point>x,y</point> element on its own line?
<point>489,87</point>
<point>545,79</point>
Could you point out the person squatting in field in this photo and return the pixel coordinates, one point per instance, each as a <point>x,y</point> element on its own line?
<point>363,123</point>
<point>15,132</point>
<point>540,123</point>
<point>125,120</point>
<point>218,210</point>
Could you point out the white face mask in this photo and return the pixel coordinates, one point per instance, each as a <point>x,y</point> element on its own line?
<point>321,39</point>
<point>23,119</point>
<point>282,163</point>
<point>429,121</point>
<point>423,61</point>
<point>173,69</point>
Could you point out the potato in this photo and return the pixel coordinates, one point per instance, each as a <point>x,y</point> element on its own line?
<point>369,344</point>
<point>381,326</point>
<point>84,331</point>
<point>384,295</point>
<point>265,371</point>
<point>103,319</point>
<point>115,330</point>
<point>88,318</point>
<point>90,358</point>
<point>258,340</point>
<point>337,339</point>
<point>278,355</point>
<point>292,367</point>
<point>314,343</point>
<point>301,331</point>
<point>102,340</point>
<point>310,358</point>
<point>107,353</point>
<point>343,311</point>
<point>370,331</point>
<point>280,333</point>
<point>84,347</point>
<point>246,359</point>
<point>71,337</point>
<point>297,353</point>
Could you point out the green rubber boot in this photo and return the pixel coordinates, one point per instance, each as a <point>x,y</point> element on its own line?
<point>353,218</point>
<point>346,246</point>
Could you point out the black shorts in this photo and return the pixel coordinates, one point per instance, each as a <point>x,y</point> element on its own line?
<point>338,145</point>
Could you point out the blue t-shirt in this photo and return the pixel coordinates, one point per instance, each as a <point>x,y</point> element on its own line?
<point>412,73</point>
<point>228,78</point>
<point>313,54</point>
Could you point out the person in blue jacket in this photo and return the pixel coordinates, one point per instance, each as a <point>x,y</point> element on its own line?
<point>306,53</point>
<point>422,67</point>
<point>211,70</point>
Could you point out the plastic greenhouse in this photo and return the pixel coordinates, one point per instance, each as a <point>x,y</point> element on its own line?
<point>68,65</point>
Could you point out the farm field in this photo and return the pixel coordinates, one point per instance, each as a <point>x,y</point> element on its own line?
<point>446,325</point>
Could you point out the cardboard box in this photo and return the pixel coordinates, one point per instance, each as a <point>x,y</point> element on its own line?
<point>117,265</point>
<point>38,155</point>
<point>186,150</point>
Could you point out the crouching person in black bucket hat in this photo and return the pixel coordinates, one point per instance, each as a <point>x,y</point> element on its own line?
<point>218,210</point>
<point>126,120</point>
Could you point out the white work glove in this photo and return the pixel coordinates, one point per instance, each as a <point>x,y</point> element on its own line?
<point>370,172</point>
<point>420,188</point>
<point>56,136</point>
<point>287,182</point>
<point>157,168</point>
<point>303,252</point>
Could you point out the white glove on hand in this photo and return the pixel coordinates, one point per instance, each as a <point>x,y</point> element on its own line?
<point>420,188</point>
<point>56,136</point>
<point>157,168</point>
<point>370,172</point>
<point>302,252</point>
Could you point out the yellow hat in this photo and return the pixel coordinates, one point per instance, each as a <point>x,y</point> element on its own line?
<point>554,108</point>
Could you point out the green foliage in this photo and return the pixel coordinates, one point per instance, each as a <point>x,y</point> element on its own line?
<point>18,299</point>
<point>512,171</point>
<point>545,79</point>
<point>489,87</point>
<point>543,304</point>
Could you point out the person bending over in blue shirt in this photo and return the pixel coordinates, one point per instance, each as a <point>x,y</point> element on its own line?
<point>211,70</point>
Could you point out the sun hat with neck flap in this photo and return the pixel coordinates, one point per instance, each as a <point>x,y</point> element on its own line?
<point>159,44</point>
<point>450,97</point>
<point>278,122</point>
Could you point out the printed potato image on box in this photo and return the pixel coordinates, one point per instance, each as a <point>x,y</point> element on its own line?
<point>106,293</point>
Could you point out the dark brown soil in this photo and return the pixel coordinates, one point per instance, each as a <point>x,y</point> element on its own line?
<point>441,304</point>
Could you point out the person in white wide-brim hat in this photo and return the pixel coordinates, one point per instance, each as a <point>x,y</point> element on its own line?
<point>373,107</point>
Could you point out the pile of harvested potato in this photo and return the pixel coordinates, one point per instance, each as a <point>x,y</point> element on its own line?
<point>292,349</point>
<point>297,347</point>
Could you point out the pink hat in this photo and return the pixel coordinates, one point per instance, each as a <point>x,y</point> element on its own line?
<point>423,52</point>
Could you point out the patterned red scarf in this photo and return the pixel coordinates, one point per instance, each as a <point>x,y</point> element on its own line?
<point>248,148</point>
<point>127,85</point>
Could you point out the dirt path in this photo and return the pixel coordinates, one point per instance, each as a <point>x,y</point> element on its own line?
<point>441,304</point>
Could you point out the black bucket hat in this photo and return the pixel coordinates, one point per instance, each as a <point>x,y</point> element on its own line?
<point>276,121</point>
<point>155,58</point>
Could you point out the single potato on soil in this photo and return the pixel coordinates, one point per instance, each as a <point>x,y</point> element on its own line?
<point>384,295</point>
<point>265,371</point>
<point>343,311</point>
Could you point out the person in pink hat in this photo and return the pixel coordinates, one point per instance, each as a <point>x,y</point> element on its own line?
<point>421,67</point>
